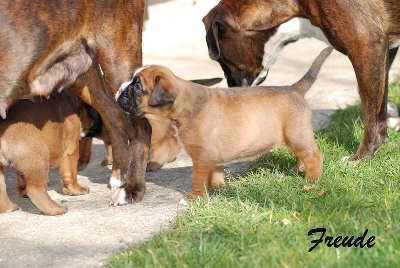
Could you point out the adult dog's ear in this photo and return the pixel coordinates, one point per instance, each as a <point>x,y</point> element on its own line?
<point>214,28</point>
<point>161,93</point>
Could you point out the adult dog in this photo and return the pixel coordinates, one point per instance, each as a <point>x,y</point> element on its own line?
<point>36,137</point>
<point>364,31</point>
<point>51,43</point>
<point>223,125</point>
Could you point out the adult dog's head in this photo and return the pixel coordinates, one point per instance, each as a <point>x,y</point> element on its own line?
<point>236,32</point>
<point>151,91</point>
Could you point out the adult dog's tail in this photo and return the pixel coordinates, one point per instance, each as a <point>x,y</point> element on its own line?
<point>304,84</point>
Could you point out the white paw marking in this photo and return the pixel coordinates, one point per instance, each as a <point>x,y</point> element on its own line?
<point>344,159</point>
<point>115,183</point>
<point>118,198</point>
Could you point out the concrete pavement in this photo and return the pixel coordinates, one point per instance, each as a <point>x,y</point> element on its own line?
<point>92,231</point>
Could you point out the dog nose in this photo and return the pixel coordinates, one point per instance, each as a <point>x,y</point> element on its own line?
<point>245,82</point>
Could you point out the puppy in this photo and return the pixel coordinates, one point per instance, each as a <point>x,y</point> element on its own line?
<point>223,125</point>
<point>164,146</point>
<point>35,137</point>
<point>92,126</point>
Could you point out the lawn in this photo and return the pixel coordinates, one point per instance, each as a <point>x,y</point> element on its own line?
<point>262,218</point>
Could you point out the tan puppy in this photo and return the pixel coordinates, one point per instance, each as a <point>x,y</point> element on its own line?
<point>223,125</point>
<point>38,136</point>
<point>164,146</point>
<point>92,126</point>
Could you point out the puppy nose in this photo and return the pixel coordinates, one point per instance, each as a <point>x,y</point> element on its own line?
<point>122,88</point>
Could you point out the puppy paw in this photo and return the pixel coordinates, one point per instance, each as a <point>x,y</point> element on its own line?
<point>107,161</point>
<point>152,166</point>
<point>22,192</point>
<point>76,190</point>
<point>59,210</point>
<point>350,160</point>
<point>128,194</point>
<point>9,207</point>
<point>115,183</point>
<point>183,202</point>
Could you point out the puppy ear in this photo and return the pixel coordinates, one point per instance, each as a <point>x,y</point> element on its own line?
<point>161,93</point>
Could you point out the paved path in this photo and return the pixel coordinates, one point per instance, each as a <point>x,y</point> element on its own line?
<point>92,231</point>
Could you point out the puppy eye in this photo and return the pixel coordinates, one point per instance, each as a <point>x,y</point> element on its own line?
<point>137,88</point>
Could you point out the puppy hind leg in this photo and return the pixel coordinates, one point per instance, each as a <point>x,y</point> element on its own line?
<point>313,162</point>
<point>36,189</point>
<point>202,177</point>
<point>300,168</point>
<point>5,203</point>
<point>21,185</point>
<point>308,155</point>
<point>37,193</point>
<point>218,177</point>
<point>68,170</point>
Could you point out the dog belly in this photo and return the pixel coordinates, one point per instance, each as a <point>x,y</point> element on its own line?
<point>249,139</point>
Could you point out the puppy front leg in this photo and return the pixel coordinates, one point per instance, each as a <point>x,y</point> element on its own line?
<point>5,203</point>
<point>108,159</point>
<point>85,152</point>
<point>202,177</point>
<point>68,171</point>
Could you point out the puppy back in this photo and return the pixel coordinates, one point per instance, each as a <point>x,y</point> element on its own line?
<point>56,109</point>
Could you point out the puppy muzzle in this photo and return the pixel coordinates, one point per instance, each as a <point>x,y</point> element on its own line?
<point>128,96</point>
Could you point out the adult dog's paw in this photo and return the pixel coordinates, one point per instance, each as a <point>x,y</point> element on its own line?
<point>118,198</point>
<point>127,195</point>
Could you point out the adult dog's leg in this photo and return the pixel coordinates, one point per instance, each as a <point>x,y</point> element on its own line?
<point>139,143</point>
<point>371,67</point>
<point>130,138</point>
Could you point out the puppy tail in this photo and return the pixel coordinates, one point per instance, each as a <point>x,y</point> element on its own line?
<point>305,83</point>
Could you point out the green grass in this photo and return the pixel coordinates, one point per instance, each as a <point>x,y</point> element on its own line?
<point>261,219</point>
